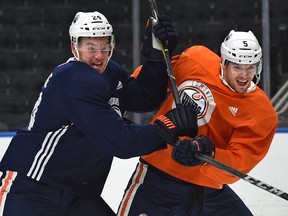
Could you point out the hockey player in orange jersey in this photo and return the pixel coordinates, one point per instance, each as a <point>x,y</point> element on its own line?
<point>236,126</point>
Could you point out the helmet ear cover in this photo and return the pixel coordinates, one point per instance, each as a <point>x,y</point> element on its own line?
<point>226,62</point>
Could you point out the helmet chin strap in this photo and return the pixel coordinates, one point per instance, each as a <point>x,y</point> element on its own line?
<point>250,89</point>
<point>77,56</point>
<point>76,52</point>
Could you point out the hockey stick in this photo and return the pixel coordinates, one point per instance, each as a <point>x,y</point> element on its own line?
<point>243,176</point>
<point>201,156</point>
<point>166,56</point>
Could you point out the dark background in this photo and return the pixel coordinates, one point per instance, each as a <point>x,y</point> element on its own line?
<point>34,39</point>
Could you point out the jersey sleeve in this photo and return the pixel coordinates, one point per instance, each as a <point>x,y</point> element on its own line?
<point>146,88</point>
<point>85,98</point>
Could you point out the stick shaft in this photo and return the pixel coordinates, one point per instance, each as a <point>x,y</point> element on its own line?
<point>166,56</point>
<point>243,176</point>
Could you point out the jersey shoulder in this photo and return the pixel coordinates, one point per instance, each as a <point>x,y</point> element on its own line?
<point>115,75</point>
<point>196,63</point>
<point>75,77</point>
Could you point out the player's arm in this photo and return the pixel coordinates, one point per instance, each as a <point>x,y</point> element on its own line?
<point>87,101</point>
<point>149,84</point>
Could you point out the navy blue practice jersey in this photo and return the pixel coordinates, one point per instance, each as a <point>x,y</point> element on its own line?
<point>76,126</point>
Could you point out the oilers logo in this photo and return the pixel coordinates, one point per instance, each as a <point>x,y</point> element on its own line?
<point>199,96</point>
<point>191,97</point>
<point>114,103</point>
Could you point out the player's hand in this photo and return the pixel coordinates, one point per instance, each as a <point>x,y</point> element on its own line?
<point>155,32</point>
<point>184,152</point>
<point>180,121</point>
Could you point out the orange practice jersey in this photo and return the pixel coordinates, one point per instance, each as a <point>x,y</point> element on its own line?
<point>241,126</point>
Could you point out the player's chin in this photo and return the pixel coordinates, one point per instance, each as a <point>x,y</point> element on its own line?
<point>241,89</point>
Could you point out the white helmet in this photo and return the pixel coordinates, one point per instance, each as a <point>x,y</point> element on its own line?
<point>91,24</point>
<point>242,48</point>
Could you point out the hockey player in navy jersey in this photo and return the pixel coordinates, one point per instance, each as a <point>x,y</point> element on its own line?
<point>59,164</point>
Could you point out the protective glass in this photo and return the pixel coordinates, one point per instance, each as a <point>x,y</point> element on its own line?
<point>238,68</point>
<point>93,48</point>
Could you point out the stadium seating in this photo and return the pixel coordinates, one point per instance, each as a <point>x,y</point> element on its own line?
<point>34,38</point>
<point>21,17</point>
<point>9,38</point>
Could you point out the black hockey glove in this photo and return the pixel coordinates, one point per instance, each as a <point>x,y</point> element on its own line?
<point>162,32</point>
<point>185,151</point>
<point>180,121</point>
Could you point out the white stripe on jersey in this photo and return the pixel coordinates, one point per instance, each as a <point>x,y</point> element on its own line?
<point>44,154</point>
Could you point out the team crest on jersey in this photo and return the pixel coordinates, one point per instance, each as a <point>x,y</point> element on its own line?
<point>199,96</point>
<point>114,103</point>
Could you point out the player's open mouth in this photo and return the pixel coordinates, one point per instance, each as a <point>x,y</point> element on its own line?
<point>242,83</point>
<point>97,66</point>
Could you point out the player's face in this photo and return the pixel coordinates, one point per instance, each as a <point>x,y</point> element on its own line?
<point>239,76</point>
<point>95,52</point>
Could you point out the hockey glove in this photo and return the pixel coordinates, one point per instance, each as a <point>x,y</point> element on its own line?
<point>156,33</point>
<point>185,151</point>
<point>180,121</point>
